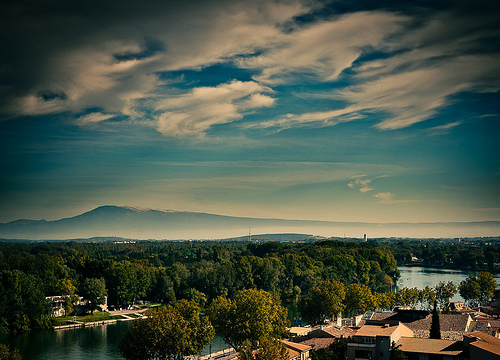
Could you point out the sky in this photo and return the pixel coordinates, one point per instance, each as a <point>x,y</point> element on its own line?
<point>374,111</point>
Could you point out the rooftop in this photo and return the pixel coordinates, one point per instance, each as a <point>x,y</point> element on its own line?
<point>485,342</point>
<point>318,343</point>
<point>377,330</point>
<point>431,346</point>
<point>418,320</point>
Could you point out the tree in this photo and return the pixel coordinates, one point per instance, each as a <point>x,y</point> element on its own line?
<point>171,332</point>
<point>271,349</point>
<point>427,298</point>
<point>252,315</point>
<point>385,300</point>
<point>477,289</point>
<point>9,354</point>
<point>66,288</point>
<point>268,349</point>
<point>487,286</point>
<point>196,296</point>
<point>444,292</point>
<point>94,290</point>
<point>323,301</point>
<point>128,281</point>
<point>396,353</point>
<point>435,331</point>
<point>335,351</point>
<point>22,302</point>
<point>359,298</point>
<point>407,297</point>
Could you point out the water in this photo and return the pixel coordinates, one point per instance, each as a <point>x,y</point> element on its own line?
<point>96,343</point>
<point>420,277</point>
<point>101,343</point>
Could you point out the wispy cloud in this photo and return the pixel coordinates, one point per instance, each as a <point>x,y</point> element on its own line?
<point>403,68</point>
<point>204,107</point>
<point>313,119</point>
<point>421,77</point>
<point>93,118</point>
<point>413,96</point>
<point>388,198</point>
<point>360,182</point>
<point>444,129</point>
<point>324,49</point>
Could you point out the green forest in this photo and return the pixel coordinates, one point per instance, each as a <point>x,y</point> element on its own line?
<point>473,254</point>
<point>165,272</point>
<point>301,274</point>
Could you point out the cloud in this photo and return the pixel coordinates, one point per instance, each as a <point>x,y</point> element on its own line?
<point>403,66</point>
<point>361,183</point>
<point>203,107</point>
<point>444,129</point>
<point>414,96</point>
<point>323,49</point>
<point>388,198</point>
<point>89,78</point>
<point>270,174</point>
<point>93,118</point>
<point>313,119</point>
<point>424,67</point>
<point>111,58</point>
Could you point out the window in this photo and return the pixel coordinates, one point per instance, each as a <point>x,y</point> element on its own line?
<point>362,354</point>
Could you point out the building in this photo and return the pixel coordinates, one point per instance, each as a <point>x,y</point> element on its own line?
<point>373,340</point>
<point>57,305</point>
<point>490,327</point>
<point>296,351</point>
<point>482,346</point>
<point>453,326</point>
<point>324,336</point>
<point>426,349</point>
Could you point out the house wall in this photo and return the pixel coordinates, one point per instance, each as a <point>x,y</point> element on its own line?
<point>480,354</point>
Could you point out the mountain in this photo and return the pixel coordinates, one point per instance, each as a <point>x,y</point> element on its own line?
<point>143,223</point>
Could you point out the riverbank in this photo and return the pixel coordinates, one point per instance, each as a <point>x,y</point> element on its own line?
<point>115,316</point>
<point>419,277</point>
<point>417,264</point>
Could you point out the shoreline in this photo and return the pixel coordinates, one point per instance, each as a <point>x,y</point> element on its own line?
<point>123,313</point>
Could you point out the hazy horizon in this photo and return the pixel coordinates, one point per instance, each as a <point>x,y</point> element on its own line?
<point>142,223</point>
<point>363,111</point>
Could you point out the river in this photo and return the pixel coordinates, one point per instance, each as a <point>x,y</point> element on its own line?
<point>100,343</point>
<point>96,343</point>
<point>420,277</point>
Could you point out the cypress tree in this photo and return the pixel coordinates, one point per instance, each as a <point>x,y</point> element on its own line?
<point>435,332</point>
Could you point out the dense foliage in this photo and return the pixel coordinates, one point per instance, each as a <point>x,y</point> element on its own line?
<point>478,289</point>
<point>253,315</point>
<point>164,272</point>
<point>171,332</point>
<point>7,353</point>
<point>473,254</point>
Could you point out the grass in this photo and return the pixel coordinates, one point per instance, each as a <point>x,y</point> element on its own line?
<point>85,319</point>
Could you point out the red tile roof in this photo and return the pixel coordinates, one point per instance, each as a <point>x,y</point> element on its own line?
<point>319,343</point>
<point>485,342</point>
<point>431,346</point>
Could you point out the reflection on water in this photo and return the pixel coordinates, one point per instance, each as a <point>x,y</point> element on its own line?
<point>100,342</point>
<point>96,343</point>
<point>420,277</point>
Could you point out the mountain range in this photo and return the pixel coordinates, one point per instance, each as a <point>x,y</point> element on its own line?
<point>143,223</point>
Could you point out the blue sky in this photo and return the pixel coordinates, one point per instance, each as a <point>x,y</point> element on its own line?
<point>342,110</point>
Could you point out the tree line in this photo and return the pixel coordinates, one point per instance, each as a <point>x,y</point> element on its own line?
<point>476,290</point>
<point>472,254</point>
<point>165,272</point>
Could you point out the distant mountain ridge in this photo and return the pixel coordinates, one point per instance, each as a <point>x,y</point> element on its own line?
<point>143,223</point>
